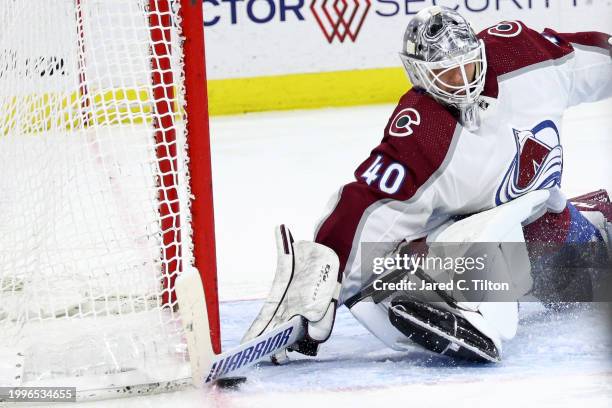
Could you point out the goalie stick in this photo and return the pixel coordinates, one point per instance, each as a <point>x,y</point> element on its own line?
<point>254,351</point>
<point>206,366</point>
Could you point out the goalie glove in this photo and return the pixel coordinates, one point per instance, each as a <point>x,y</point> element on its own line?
<point>307,284</point>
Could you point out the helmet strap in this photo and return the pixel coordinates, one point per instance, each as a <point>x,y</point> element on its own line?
<point>469,116</point>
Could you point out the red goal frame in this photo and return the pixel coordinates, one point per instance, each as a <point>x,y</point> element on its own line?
<point>198,138</point>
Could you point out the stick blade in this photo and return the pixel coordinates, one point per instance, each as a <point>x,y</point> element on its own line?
<point>194,319</point>
<point>231,383</point>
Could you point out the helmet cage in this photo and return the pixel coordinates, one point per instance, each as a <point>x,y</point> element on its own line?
<point>428,76</point>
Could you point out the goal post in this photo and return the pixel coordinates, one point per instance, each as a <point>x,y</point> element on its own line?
<point>196,97</point>
<point>106,191</point>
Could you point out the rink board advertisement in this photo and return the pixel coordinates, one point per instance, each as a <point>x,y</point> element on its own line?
<point>285,54</point>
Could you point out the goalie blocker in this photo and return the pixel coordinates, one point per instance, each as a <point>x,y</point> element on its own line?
<point>306,284</point>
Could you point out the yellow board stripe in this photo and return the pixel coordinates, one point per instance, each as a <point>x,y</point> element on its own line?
<point>63,111</point>
<point>35,113</point>
<point>306,91</point>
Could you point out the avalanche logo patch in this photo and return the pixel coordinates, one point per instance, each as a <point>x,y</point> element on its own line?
<point>506,29</point>
<point>537,164</point>
<point>401,125</point>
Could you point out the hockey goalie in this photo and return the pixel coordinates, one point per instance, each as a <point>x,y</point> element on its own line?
<point>472,153</point>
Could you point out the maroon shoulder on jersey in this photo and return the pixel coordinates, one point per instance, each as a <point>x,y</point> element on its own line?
<point>416,141</point>
<point>511,46</point>
<point>417,136</point>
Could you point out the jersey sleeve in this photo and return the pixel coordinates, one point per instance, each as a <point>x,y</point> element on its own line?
<point>391,198</point>
<point>582,59</point>
<point>590,69</point>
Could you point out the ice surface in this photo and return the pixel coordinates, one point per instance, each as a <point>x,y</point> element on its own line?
<point>557,359</point>
<point>277,168</point>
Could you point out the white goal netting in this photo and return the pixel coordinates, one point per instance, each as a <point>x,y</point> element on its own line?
<point>91,186</point>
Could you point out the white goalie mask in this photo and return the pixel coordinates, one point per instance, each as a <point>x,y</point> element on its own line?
<point>443,56</point>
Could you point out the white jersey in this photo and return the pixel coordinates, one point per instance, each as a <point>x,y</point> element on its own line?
<point>428,168</point>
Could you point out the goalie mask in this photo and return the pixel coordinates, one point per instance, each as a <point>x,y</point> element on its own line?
<point>443,56</point>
